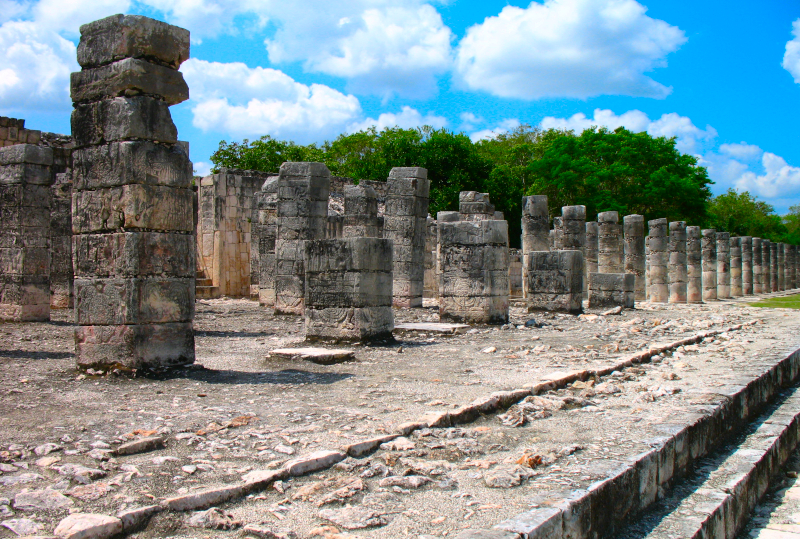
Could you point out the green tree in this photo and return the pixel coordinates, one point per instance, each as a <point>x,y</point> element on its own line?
<point>792,223</point>
<point>741,214</point>
<point>265,154</point>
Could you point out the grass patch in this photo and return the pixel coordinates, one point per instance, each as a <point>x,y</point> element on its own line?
<point>785,302</point>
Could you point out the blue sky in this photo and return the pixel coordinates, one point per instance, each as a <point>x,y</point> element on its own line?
<point>723,77</point>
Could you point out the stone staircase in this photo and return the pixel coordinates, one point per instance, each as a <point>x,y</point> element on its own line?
<point>204,287</point>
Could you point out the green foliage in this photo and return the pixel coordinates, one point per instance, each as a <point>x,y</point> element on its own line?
<point>784,302</point>
<point>742,215</point>
<point>265,154</point>
<point>632,173</point>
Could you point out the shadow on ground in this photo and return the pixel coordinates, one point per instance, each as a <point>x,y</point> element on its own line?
<point>285,376</point>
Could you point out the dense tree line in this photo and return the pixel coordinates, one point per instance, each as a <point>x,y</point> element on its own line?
<point>601,169</point>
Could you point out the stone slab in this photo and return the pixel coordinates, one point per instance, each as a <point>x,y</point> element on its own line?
<point>129,77</point>
<point>323,356</point>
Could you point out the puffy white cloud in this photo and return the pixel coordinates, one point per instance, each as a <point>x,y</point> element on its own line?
<point>778,180</point>
<point>9,9</point>
<point>243,101</point>
<point>35,64</point>
<point>690,138</point>
<point>202,168</point>
<point>741,151</point>
<point>406,118</point>
<point>567,48</point>
<point>67,16</point>
<point>791,58</point>
<point>503,127</point>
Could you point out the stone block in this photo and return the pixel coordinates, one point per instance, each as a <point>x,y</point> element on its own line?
<point>132,36</point>
<point>302,208</point>
<point>26,154</point>
<point>26,174</point>
<point>134,254</point>
<point>113,301</point>
<point>465,260</point>
<point>611,290</point>
<point>349,323</point>
<point>474,233</point>
<point>350,255</point>
<point>126,78</point>
<point>554,281</point>
<point>448,217</point>
<point>25,261</point>
<point>353,289</point>
<point>151,207</point>
<point>33,197</point>
<point>135,346</point>
<point>123,118</point>
<point>478,284</point>
<point>131,162</point>
<point>409,172</point>
<point>474,309</point>
<point>407,186</point>
<point>304,169</point>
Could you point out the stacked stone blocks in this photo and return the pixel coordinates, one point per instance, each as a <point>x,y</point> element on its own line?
<point>634,252</point>
<point>694,265</point>
<point>555,281</point>
<point>264,233</point>
<point>659,261</point>
<point>723,265</point>
<point>736,267</point>
<point>12,132</point>
<point>612,290</point>
<point>132,203</point>
<point>678,269</point>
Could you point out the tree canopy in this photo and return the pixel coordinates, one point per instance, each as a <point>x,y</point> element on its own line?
<point>601,169</point>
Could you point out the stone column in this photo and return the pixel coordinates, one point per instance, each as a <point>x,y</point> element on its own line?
<point>609,253</point>
<point>361,212</point>
<point>535,230</point>
<point>659,261</point>
<point>303,190</point>
<point>747,265</point>
<point>773,265</point>
<point>633,233</point>
<point>766,265</point>
<point>558,234</point>
<point>431,282</point>
<point>590,258</point>
<point>791,267</point>
<point>474,280</point>
<point>348,288</point>
<point>132,204</point>
<point>475,206</point>
<point>678,276</point>
<point>781,266</point>
<point>404,223</point>
<point>574,225</point>
<point>61,275</point>
<point>647,267</point>
<point>694,265</point>
<point>555,281</point>
<point>709,246</point>
<point>25,179</point>
<point>736,267</point>
<point>266,228</point>
<point>723,265</point>
<point>758,266</point>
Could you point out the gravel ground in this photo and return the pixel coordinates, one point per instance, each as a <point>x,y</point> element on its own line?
<point>237,410</point>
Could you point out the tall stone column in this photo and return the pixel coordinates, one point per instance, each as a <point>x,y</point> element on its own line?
<point>405,223</point>
<point>659,261</point>
<point>694,265</point>
<point>736,267</point>
<point>590,259</point>
<point>61,276</point>
<point>25,178</point>
<point>633,234</point>
<point>747,265</point>
<point>647,267</point>
<point>678,276</point>
<point>132,203</point>
<point>535,230</point>
<point>781,266</point>
<point>758,266</point>
<point>791,267</point>
<point>573,222</point>
<point>303,191</point>
<point>766,265</point>
<point>723,265</point>
<point>773,266</point>
<point>266,209</point>
<point>609,252</point>
<point>558,234</point>
<point>709,246</point>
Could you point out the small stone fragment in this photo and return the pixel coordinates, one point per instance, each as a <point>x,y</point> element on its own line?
<point>21,526</point>
<point>213,519</point>
<point>354,518</point>
<point>263,532</point>
<point>399,444</point>
<point>45,449</point>
<point>135,518</point>
<point>41,500</point>
<point>140,446</point>
<point>507,476</point>
<point>406,482</point>
<point>318,460</point>
<point>88,526</point>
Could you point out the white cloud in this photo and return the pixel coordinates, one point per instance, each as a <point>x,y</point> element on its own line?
<point>741,151</point>
<point>243,101</point>
<point>201,168</point>
<point>791,58</point>
<point>406,118</point>
<point>36,64</point>
<point>690,138</point>
<point>9,9</point>
<point>779,179</point>
<point>503,127</point>
<point>67,16</point>
<point>567,48</point>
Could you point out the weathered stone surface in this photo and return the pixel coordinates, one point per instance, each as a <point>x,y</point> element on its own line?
<point>609,252</point>
<point>694,265</point>
<point>323,356</point>
<point>634,254</point>
<point>206,498</point>
<point>319,460</point>
<point>758,272</point>
<point>131,162</point>
<point>354,518</point>
<point>135,346</point>
<point>114,301</point>
<point>658,276</point>
<point>748,273</point>
<point>132,36</point>
<point>137,517</point>
<point>723,265</point>
<point>42,500</point>
<point>611,290</point>
<point>736,267</point>
<point>555,281</point>
<point>678,271</point>
<point>143,445</point>
<point>123,118</point>
<point>88,526</point>
<point>25,173</point>
<point>134,254</point>
<point>151,207</point>
<point>23,527</point>
<point>486,534</point>
<point>709,246</point>
<point>213,519</point>
<point>20,154</point>
<point>126,78</point>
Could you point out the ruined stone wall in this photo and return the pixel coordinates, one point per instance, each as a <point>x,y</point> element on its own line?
<point>263,232</point>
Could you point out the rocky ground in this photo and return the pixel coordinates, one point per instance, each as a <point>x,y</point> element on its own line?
<point>237,411</point>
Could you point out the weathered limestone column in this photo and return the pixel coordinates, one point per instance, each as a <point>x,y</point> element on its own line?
<point>736,267</point>
<point>132,203</point>
<point>723,265</point>
<point>747,265</point>
<point>678,276</point>
<point>303,190</point>
<point>474,280</point>
<point>709,246</point>
<point>647,267</point>
<point>348,288</point>
<point>404,223</point>
<point>781,266</point>
<point>766,265</point>
<point>430,280</point>
<point>535,230</point>
<point>574,226</point>
<point>791,267</point>
<point>61,275</point>
<point>558,234</point>
<point>694,265</point>
<point>361,212</point>
<point>475,206</point>
<point>758,266</point>
<point>609,253</point>
<point>635,259</point>
<point>555,281</point>
<point>611,290</point>
<point>266,228</point>
<point>25,179</point>
<point>659,260</point>
<point>773,266</point>
<point>590,256</point>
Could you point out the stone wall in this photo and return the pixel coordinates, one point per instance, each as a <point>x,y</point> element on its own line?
<point>554,281</point>
<point>61,274</point>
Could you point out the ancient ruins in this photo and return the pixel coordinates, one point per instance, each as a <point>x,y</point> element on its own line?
<point>294,354</point>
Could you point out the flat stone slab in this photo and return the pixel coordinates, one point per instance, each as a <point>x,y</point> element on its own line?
<point>323,356</point>
<point>433,327</point>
